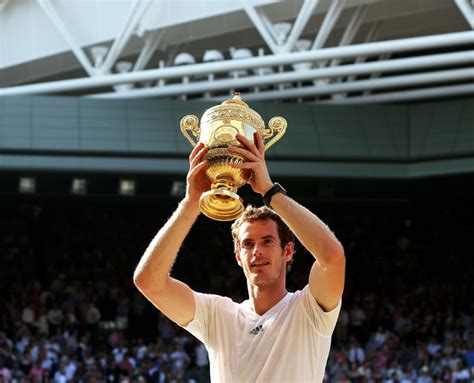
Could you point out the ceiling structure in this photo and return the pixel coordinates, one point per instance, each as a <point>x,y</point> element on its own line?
<point>333,52</point>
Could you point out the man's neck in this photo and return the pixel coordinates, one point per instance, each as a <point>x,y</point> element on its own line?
<point>263,298</point>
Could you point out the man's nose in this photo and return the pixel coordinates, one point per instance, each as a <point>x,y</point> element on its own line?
<point>257,250</point>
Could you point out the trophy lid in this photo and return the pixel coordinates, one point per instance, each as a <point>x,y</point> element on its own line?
<point>233,109</point>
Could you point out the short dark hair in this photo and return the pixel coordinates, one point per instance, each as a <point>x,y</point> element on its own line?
<point>263,213</point>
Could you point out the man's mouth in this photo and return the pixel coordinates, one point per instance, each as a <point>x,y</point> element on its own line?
<point>260,263</point>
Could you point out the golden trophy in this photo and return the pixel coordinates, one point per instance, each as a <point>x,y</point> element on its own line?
<point>218,129</point>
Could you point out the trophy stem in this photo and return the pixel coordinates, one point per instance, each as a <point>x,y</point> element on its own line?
<point>224,182</point>
<point>222,203</point>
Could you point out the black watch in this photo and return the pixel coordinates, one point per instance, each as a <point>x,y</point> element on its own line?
<point>276,188</point>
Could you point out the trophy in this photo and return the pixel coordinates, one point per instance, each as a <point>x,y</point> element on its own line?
<point>218,129</point>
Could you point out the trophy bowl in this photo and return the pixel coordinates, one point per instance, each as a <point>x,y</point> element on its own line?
<point>217,130</point>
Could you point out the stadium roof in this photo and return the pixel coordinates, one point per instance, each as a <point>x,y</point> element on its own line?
<point>353,51</point>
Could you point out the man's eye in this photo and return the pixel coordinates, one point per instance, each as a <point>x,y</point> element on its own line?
<point>247,245</point>
<point>268,241</point>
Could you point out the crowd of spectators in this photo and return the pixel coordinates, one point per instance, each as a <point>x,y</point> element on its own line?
<point>69,311</point>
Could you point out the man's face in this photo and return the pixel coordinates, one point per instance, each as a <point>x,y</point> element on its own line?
<point>261,255</point>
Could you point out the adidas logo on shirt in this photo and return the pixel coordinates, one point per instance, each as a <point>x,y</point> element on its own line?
<point>256,330</point>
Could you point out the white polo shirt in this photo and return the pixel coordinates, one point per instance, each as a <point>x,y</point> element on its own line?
<point>289,343</point>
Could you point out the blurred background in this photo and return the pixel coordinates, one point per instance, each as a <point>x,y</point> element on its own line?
<point>380,145</point>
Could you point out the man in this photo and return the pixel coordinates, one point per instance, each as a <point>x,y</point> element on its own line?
<point>275,336</point>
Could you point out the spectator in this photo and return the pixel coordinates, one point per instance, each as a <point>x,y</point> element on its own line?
<point>28,315</point>
<point>202,362</point>
<point>5,372</point>
<point>180,360</point>
<point>340,332</point>
<point>92,316</point>
<point>424,376</point>
<point>60,375</point>
<point>36,373</point>
<point>356,354</point>
<point>461,373</point>
<point>357,319</point>
<point>55,317</point>
<point>42,322</point>
<point>380,337</point>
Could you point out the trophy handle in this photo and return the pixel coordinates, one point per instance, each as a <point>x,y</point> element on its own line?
<point>275,125</point>
<point>190,122</point>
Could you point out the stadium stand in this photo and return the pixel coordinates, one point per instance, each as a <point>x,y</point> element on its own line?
<point>69,311</point>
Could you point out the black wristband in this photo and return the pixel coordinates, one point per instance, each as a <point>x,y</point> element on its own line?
<point>276,188</point>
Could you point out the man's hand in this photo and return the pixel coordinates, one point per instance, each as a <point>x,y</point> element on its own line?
<point>197,182</point>
<point>254,153</point>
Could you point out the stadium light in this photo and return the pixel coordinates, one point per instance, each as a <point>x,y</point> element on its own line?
<point>123,67</point>
<point>27,185</point>
<point>127,187</point>
<point>98,53</point>
<point>79,186</point>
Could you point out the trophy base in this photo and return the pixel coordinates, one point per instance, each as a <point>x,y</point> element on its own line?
<point>221,204</point>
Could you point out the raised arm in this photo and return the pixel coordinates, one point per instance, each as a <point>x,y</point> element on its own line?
<point>172,297</point>
<point>326,279</point>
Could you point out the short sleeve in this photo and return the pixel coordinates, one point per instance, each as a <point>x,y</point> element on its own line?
<point>200,324</point>
<point>324,322</point>
<point>212,312</point>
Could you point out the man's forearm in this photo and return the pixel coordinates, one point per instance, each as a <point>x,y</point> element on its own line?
<point>313,233</point>
<point>156,263</point>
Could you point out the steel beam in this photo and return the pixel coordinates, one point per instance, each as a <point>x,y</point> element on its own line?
<point>440,60</point>
<point>151,44</point>
<point>383,57</point>
<point>408,95</point>
<point>137,10</point>
<point>302,19</point>
<point>467,11</point>
<point>377,48</point>
<point>268,25</point>
<point>371,36</point>
<point>357,86</point>
<point>329,21</point>
<point>351,30</point>
<point>61,27</point>
<point>261,26</point>
<point>3,4</point>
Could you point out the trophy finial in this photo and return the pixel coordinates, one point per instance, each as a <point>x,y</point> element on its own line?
<point>236,100</point>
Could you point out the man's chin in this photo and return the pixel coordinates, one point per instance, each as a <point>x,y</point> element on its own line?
<point>258,280</point>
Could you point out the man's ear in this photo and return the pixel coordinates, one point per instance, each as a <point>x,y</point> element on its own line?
<point>237,257</point>
<point>288,251</point>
